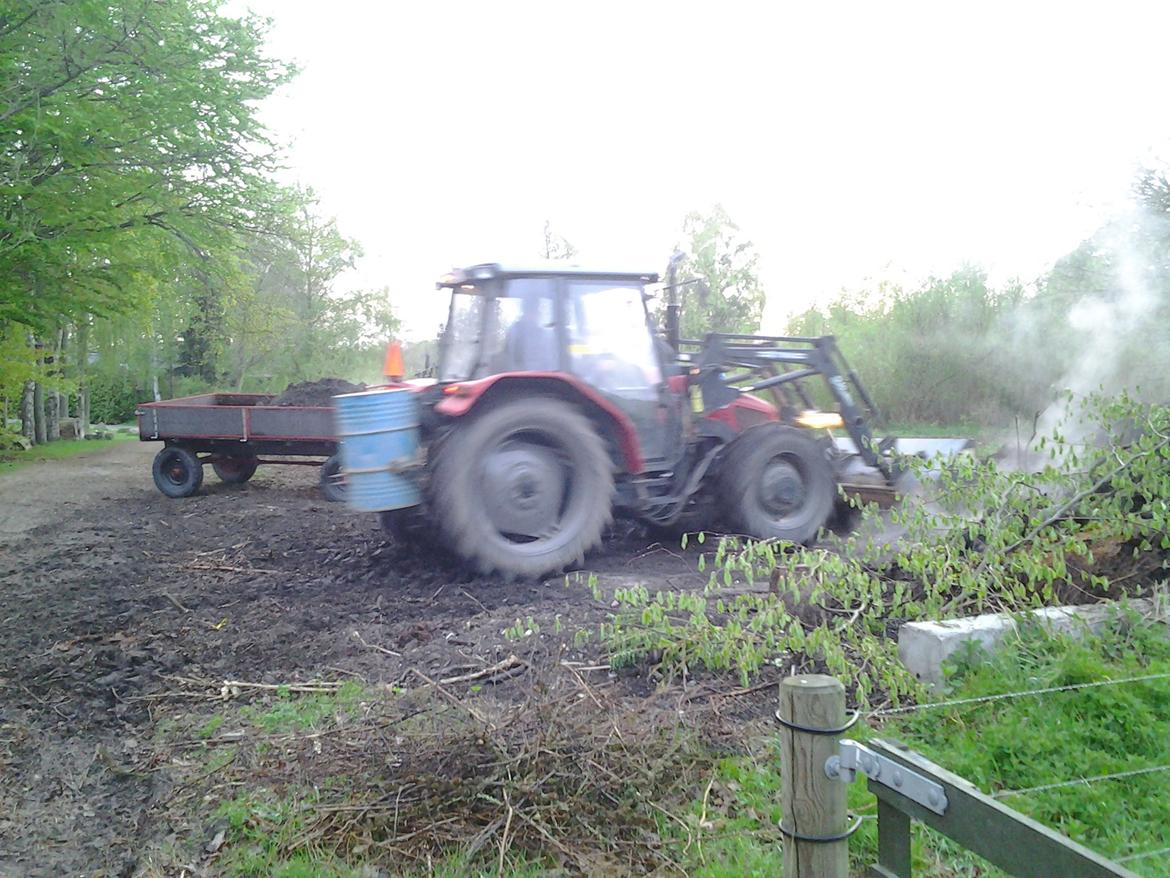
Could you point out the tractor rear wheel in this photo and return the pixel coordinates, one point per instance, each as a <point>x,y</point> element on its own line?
<point>524,488</point>
<point>332,480</point>
<point>777,484</point>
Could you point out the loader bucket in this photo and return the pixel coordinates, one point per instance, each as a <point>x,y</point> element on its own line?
<point>869,485</point>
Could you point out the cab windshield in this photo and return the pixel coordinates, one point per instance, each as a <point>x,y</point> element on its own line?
<point>596,329</point>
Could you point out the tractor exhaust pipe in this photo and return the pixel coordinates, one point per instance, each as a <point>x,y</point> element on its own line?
<point>673,307</point>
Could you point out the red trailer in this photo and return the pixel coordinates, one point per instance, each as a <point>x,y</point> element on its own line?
<point>236,433</point>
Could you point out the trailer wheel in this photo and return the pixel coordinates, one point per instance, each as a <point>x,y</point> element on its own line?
<point>177,471</point>
<point>777,484</point>
<point>333,480</point>
<point>235,470</point>
<point>524,488</point>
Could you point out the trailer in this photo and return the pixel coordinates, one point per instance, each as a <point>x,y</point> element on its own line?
<point>236,433</point>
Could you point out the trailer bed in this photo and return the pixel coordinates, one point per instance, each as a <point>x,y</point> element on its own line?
<point>230,431</point>
<point>241,417</point>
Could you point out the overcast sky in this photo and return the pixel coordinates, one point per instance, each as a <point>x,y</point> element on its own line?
<point>848,141</point>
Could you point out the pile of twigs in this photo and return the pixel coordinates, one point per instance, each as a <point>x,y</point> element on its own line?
<point>570,777</point>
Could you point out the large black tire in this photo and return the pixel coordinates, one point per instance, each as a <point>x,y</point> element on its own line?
<point>235,470</point>
<point>332,480</point>
<point>776,483</point>
<point>177,472</point>
<point>408,526</point>
<point>524,488</point>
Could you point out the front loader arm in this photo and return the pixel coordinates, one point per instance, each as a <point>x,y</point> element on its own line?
<point>732,364</point>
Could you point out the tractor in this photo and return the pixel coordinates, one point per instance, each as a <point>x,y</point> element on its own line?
<point>558,405</point>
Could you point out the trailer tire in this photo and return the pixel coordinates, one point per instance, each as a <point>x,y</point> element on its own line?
<point>535,464</point>
<point>235,470</point>
<point>333,480</point>
<point>776,483</point>
<point>177,472</point>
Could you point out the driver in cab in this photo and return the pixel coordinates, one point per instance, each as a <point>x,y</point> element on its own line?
<point>531,344</point>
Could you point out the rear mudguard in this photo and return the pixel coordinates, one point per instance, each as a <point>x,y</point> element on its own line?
<point>463,397</point>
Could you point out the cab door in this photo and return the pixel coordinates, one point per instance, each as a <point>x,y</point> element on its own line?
<point>611,347</point>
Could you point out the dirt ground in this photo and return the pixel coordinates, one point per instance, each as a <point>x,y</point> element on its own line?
<point>114,596</point>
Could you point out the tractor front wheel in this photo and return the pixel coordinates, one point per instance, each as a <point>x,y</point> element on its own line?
<point>524,488</point>
<point>777,484</point>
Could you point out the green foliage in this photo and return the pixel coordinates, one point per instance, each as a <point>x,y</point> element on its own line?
<point>520,629</point>
<point>18,361</point>
<point>941,353</point>
<point>113,397</point>
<point>718,275</point>
<point>129,147</point>
<point>989,539</point>
<point>955,350</point>
<point>287,321</point>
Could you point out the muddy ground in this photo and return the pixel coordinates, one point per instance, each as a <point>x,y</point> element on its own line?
<point>118,605</point>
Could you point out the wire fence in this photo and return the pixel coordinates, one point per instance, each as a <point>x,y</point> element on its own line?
<point>1064,784</point>
<point>1004,696</point>
<point>1080,781</point>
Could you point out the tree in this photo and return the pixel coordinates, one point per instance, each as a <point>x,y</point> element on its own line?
<point>556,246</point>
<point>129,145</point>
<point>717,282</point>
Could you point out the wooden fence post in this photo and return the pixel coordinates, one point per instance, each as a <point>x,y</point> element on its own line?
<point>812,804</point>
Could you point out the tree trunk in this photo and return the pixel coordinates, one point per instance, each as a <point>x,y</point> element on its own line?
<point>42,435</point>
<point>52,401</point>
<point>154,365</point>
<point>27,420</point>
<point>82,358</point>
<point>52,416</point>
<point>63,359</point>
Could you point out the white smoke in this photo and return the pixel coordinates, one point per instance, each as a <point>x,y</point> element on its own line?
<point>1111,330</point>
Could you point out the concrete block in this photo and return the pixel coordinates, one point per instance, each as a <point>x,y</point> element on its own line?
<point>924,646</point>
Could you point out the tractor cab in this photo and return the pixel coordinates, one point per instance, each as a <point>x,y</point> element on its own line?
<point>556,319</point>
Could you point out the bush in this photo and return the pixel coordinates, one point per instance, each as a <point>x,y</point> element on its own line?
<point>113,398</point>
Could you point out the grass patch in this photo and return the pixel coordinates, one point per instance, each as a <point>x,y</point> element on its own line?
<point>1029,742</point>
<point>209,728</point>
<point>958,430</point>
<point>259,825</point>
<point>65,448</point>
<point>290,713</point>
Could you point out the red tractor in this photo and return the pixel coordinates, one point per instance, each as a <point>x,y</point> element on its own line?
<point>558,405</point>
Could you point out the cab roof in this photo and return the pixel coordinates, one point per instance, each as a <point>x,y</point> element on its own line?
<point>491,270</point>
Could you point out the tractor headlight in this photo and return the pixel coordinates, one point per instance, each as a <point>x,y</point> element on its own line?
<point>820,420</point>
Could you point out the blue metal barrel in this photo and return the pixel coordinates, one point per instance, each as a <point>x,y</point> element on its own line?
<point>378,431</point>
